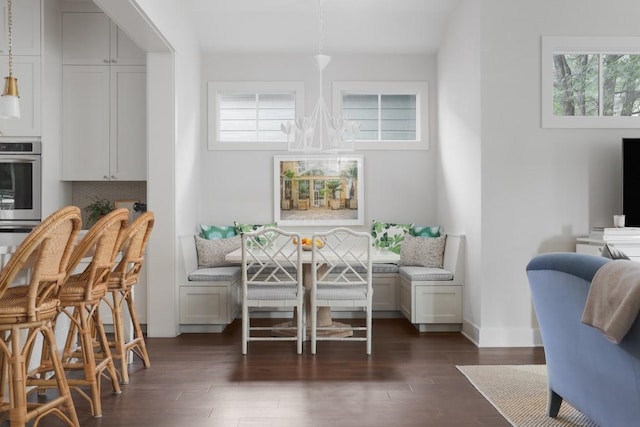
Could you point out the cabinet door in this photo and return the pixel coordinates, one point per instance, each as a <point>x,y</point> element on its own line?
<point>91,38</point>
<point>128,123</point>
<point>26,27</point>
<point>123,50</point>
<point>85,38</point>
<point>85,123</point>
<point>27,70</point>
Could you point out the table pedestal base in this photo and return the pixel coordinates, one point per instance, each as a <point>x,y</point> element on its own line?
<point>324,320</point>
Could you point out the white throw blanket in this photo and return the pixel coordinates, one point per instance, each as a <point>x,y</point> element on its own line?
<point>613,302</point>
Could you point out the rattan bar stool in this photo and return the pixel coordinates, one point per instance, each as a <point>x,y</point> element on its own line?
<point>124,276</point>
<point>86,348</point>
<point>27,311</point>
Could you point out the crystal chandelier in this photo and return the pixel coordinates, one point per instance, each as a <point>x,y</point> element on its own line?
<point>10,101</point>
<point>320,131</point>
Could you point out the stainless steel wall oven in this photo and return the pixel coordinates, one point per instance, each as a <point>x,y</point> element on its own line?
<point>20,185</point>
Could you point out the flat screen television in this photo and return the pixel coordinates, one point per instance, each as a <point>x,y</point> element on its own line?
<point>631,181</point>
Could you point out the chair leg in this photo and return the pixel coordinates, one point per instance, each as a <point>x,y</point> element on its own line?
<point>245,328</point>
<point>20,411</point>
<point>138,341</point>
<point>60,377</point>
<point>314,326</point>
<point>300,327</point>
<point>119,353</point>
<point>91,334</point>
<point>369,330</point>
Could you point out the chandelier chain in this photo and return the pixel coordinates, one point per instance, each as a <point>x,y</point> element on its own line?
<point>10,36</point>
<point>320,25</point>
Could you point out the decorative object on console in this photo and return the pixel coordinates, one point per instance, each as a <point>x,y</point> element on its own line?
<point>10,100</point>
<point>389,235</point>
<point>423,251</point>
<point>320,131</point>
<point>613,253</point>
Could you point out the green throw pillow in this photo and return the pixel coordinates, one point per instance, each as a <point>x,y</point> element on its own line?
<point>211,232</point>
<point>245,228</point>
<point>389,235</point>
<point>425,231</point>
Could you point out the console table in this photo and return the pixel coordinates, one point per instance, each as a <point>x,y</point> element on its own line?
<point>592,246</point>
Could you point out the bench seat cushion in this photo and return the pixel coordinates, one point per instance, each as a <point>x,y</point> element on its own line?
<point>384,268</point>
<point>215,274</point>
<point>425,273</point>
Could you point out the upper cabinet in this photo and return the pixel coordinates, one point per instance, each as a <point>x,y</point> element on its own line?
<point>27,70</point>
<point>26,27</point>
<point>104,111</point>
<point>91,38</point>
<point>26,64</point>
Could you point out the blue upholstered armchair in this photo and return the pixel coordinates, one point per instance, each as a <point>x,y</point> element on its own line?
<point>598,377</point>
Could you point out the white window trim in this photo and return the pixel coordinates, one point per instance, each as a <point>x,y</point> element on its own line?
<point>598,45</point>
<point>215,88</point>
<point>420,89</point>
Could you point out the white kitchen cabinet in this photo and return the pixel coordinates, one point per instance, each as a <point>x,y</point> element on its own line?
<point>26,27</point>
<point>104,123</point>
<point>27,70</point>
<point>91,38</point>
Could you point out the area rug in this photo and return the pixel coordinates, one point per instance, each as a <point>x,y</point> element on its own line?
<point>519,393</point>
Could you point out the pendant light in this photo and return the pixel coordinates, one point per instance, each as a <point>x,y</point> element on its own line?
<point>10,101</point>
<point>320,131</point>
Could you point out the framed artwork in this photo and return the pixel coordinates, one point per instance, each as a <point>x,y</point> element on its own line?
<point>318,190</point>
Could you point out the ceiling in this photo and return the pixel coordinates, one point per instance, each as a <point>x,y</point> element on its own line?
<point>292,26</point>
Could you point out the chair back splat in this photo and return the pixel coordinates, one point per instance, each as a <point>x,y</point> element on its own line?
<point>29,285</point>
<point>272,277</point>
<point>86,349</point>
<point>341,277</point>
<point>126,274</point>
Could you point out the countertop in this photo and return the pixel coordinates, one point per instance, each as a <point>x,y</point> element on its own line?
<point>9,242</point>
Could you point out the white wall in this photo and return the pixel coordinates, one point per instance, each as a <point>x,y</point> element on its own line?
<point>399,186</point>
<point>460,147</point>
<point>173,70</point>
<point>540,187</point>
<point>55,193</point>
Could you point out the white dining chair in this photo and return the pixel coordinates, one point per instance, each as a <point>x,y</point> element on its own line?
<point>341,277</point>
<point>272,278</point>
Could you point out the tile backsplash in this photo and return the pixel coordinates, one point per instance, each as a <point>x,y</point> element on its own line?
<point>85,193</point>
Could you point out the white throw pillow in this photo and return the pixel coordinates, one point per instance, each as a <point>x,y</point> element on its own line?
<point>422,251</point>
<point>211,253</point>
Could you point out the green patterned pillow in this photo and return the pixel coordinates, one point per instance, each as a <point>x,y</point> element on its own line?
<point>245,228</point>
<point>389,235</point>
<point>211,232</point>
<point>425,231</point>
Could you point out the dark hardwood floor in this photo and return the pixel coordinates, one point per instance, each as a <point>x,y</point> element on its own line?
<point>202,380</point>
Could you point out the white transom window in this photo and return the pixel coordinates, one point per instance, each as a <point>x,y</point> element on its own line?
<point>248,115</point>
<point>392,115</point>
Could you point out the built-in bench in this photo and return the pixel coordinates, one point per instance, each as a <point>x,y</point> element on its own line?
<point>209,297</point>
<point>430,298</point>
